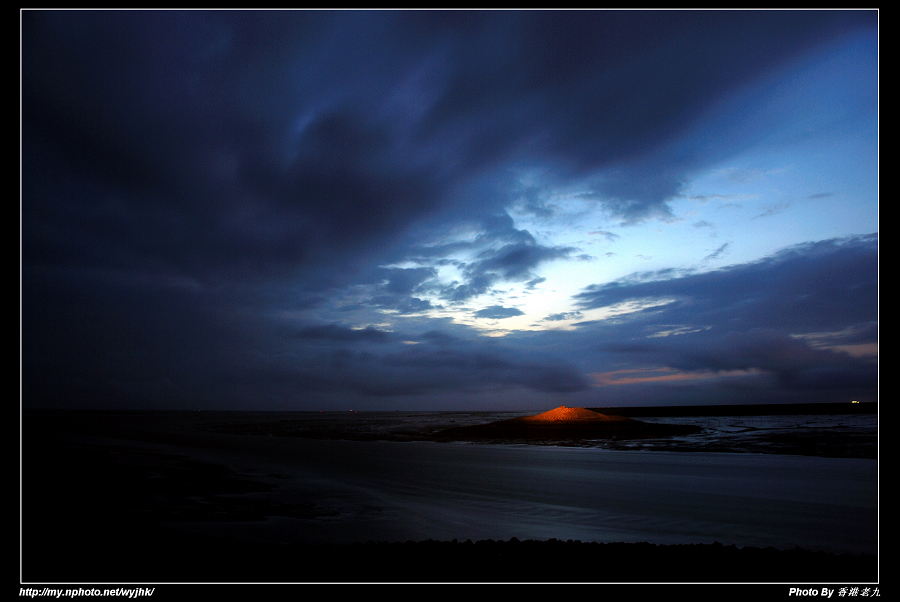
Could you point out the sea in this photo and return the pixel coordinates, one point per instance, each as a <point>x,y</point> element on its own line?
<point>807,481</point>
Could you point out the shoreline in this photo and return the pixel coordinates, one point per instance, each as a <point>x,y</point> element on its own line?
<point>766,409</point>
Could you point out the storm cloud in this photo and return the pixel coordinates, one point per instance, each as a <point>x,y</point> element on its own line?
<point>296,209</point>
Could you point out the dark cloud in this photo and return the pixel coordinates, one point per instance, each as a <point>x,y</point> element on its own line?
<point>773,210</point>
<point>511,255</point>
<point>610,236</point>
<point>717,253</point>
<point>133,114</point>
<point>515,261</point>
<point>498,312</point>
<point>438,365</point>
<point>802,322</point>
<point>209,198</point>
<point>405,281</point>
<point>138,348</point>
<point>398,287</point>
<point>742,366</point>
<point>334,332</point>
<point>566,315</point>
<point>258,140</point>
<point>812,286</point>
<point>99,339</point>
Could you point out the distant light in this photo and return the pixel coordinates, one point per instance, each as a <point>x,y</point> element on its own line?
<point>854,401</point>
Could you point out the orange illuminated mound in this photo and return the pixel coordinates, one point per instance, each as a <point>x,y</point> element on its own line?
<point>564,414</point>
<point>564,424</point>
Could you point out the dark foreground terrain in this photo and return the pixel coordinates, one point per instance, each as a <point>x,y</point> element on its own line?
<point>98,505</point>
<point>150,557</point>
<point>106,514</point>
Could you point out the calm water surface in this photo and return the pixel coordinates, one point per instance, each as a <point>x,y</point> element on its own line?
<point>402,488</point>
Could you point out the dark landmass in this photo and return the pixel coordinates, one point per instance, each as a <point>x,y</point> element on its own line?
<point>764,409</point>
<point>563,424</point>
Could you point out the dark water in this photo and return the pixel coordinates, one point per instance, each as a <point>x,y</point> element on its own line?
<point>342,478</point>
<point>399,491</point>
<point>830,435</point>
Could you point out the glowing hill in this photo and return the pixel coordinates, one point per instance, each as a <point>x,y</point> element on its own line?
<point>564,424</point>
<point>563,414</point>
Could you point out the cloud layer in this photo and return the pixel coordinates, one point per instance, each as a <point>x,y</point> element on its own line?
<point>310,209</point>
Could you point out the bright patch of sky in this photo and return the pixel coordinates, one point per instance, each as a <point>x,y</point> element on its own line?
<point>733,213</point>
<point>800,170</point>
<point>784,160</point>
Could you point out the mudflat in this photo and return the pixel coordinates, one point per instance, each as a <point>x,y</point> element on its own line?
<point>159,497</point>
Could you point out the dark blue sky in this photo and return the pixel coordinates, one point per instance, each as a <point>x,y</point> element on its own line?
<point>448,209</point>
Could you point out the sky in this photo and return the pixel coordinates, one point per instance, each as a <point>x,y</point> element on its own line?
<point>447,210</point>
